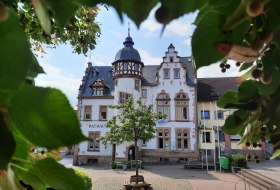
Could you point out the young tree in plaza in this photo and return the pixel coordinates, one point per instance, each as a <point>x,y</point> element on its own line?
<point>134,121</point>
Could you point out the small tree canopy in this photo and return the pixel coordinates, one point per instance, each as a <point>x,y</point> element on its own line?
<point>133,122</point>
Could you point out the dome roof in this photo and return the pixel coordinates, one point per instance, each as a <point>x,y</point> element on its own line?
<point>128,52</point>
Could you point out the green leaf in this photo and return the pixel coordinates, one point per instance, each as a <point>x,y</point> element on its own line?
<point>15,53</point>
<point>233,125</point>
<point>42,15</point>
<point>247,90</point>
<point>276,154</point>
<point>269,89</point>
<point>228,97</point>
<point>63,11</point>
<point>211,22</point>
<point>245,66</point>
<point>56,175</point>
<point>29,178</point>
<point>35,68</point>
<point>45,117</point>
<point>273,16</point>
<point>271,59</point>
<point>22,148</point>
<point>7,142</point>
<point>137,10</point>
<point>182,7</point>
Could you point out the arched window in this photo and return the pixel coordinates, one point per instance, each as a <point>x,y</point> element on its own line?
<point>181,107</point>
<point>163,104</point>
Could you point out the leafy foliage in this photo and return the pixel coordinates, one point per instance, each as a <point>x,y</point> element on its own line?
<point>235,30</point>
<point>87,180</point>
<point>134,122</point>
<point>60,21</point>
<point>238,160</point>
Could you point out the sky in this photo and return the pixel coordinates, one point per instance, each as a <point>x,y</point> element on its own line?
<point>64,69</point>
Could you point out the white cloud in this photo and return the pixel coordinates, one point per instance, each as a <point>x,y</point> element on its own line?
<point>56,79</point>
<point>179,28</point>
<point>148,59</point>
<point>151,27</point>
<point>187,42</point>
<point>96,61</point>
<point>214,70</point>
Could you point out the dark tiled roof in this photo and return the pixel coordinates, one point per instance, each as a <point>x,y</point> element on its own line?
<point>210,89</point>
<point>128,52</point>
<point>150,75</point>
<point>189,66</point>
<point>103,73</point>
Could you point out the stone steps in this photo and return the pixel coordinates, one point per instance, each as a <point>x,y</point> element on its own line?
<point>258,180</point>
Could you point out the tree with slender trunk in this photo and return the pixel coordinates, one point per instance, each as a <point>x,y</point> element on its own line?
<point>134,121</point>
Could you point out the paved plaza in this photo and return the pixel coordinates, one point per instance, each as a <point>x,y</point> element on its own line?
<point>163,177</point>
<point>174,177</point>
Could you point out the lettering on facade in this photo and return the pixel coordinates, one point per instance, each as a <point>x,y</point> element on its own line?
<point>97,125</point>
<point>161,121</point>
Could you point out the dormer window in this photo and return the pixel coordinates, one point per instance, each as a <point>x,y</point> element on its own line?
<point>99,88</point>
<point>97,91</point>
<point>94,73</point>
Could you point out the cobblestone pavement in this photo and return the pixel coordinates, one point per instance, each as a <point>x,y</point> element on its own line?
<point>163,177</point>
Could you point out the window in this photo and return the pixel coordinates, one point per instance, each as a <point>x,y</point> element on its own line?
<point>235,138</point>
<point>171,59</point>
<point>137,84</point>
<point>97,91</point>
<point>176,73</point>
<point>124,97</point>
<point>144,93</point>
<point>182,137</point>
<point>166,73</point>
<point>181,107</point>
<point>125,66</point>
<point>94,143</point>
<point>205,114</point>
<point>163,137</point>
<point>163,104</point>
<point>103,113</point>
<point>87,114</point>
<point>136,67</point>
<point>94,73</point>
<point>206,137</point>
<point>220,114</point>
<point>221,137</point>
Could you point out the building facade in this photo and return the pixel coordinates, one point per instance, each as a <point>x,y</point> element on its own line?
<point>169,87</point>
<point>192,128</point>
<point>211,118</point>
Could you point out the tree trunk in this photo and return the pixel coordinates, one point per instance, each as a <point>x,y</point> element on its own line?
<point>113,152</point>
<point>136,159</point>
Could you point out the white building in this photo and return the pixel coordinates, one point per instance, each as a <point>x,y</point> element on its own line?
<point>169,86</point>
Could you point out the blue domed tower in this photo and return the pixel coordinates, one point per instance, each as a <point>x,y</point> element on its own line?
<point>127,72</point>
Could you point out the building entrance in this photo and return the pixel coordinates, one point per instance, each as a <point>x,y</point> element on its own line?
<point>131,153</point>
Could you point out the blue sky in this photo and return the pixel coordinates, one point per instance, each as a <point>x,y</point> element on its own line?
<point>65,69</point>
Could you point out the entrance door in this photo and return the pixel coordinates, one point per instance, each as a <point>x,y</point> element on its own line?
<point>131,153</point>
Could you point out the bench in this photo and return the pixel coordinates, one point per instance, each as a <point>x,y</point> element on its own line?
<point>194,163</point>
<point>141,184</point>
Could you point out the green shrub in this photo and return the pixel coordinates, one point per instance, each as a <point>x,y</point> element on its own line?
<point>86,179</point>
<point>238,160</point>
<point>127,163</point>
